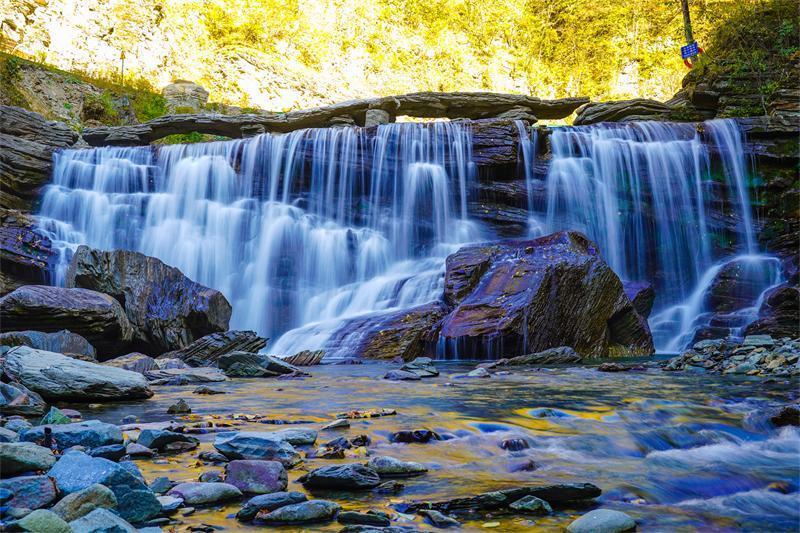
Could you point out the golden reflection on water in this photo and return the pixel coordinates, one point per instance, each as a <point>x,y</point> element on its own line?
<point>597,439</point>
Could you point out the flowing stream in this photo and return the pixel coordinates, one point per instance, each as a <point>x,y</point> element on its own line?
<point>306,230</point>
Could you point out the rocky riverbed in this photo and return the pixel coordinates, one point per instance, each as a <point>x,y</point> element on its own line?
<point>669,450</point>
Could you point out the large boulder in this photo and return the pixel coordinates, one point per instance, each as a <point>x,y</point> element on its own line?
<point>19,457</point>
<point>26,255</point>
<point>207,350</point>
<point>60,378</point>
<point>520,297</point>
<point>198,493</point>
<point>256,477</point>
<point>185,97</point>
<point>97,317</point>
<point>779,314</point>
<point>641,294</point>
<point>30,492</point>
<point>64,342</point>
<point>408,334</point>
<point>17,399</point>
<point>247,364</point>
<point>738,284</point>
<point>256,446</point>
<point>168,311</point>
<point>621,111</point>
<point>341,477</point>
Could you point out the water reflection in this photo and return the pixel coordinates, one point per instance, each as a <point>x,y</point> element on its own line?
<point>674,451</point>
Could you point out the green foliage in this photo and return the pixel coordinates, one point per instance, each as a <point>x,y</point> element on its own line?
<point>148,106</point>
<point>186,138</point>
<point>10,76</point>
<point>184,110</point>
<point>100,107</point>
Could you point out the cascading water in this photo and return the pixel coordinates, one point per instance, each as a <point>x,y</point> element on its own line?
<point>303,229</point>
<point>648,194</point>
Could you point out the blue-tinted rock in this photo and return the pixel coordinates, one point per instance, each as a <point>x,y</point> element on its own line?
<point>196,493</point>
<point>157,439</point>
<point>21,457</point>
<point>76,471</point>
<point>30,492</point>
<point>62,341</point>
<point>54,416</point>
<point>18,424</point>
<point>6,435</point>
<point>101,521</point>
<point>170,503</point>
<point>112,452</point>
<point>311,511</point>
<point>138,506</point>
<point>16,399</point>
<point>602,521</point>
<point>341,477</point>
<point>91,434</point>
<point>256,445</point>
<point>267,503</point>
<point>256,477</point>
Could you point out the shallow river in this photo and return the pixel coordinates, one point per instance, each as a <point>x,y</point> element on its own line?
<point>678,452</point>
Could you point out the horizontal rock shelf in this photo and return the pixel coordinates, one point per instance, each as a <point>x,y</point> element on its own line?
<point>367,112</point>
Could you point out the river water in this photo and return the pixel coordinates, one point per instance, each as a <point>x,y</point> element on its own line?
<point>677,451</point>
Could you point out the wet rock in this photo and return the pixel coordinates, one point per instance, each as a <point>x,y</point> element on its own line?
<point>55,416</point>
<point>30,492</point>
<point>296,436</point>
<point>162,484</point>
<point>112,452</point>
<point>369,413</point>
<point>420,436</point>
<point>488,501</point>
<point>167,310</point>
<point>367,519</point>
<point>20,457</point>
<point>157,439</point>
<point>389,487</point>
<point>341,477</point>
<point>737,285</point>
<point>265,503</point>
<point>256,477</point>
<point>207,350</point>
<point>75,380</point>
<point>135,362</point>
<point>245,364</point>
<point>135,451</point>
<point>137,506</point>
<point>90,434</point>
<point>514,444</point>
<point>788,416</point>
<point>401,375</point>
<point>561,355</point>
<point>179,408</point>
<point>387,466</point>
<point>170,504</point>
<point>421,366</point>
<point>101,521</point>
<point>207,391</point>
<point>306,358</point>
<point>311,511</point>
<point>76,471</point>
<point>43,521</point>
<point>256,445</point>
<point>479,373</point>
<point>535,295</point>
<point>195,493</point>
<point>602,521</point>
<point>16,399</point>
<point>336,424</point>
<point>80,503</point>
<point>64,342</point>
<point>184,376</point>
<point>212,457</point>
<point>621,111</point>
<point>524,466</point>
<point>97,317</point>
<point>531,505</point>
<point>779,313</point>
<point>16,423</point>
<point>438,519</point>
<point>212,476</point>
<point>613,367</point>
<point>6,435</point>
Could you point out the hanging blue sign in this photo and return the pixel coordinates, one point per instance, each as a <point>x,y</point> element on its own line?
<point>690,50</point>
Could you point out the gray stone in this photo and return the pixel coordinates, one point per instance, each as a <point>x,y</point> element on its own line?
<point>341,477</point>
<point>16,399</point>
<point>157,439</point>
<point>196,493</point>
<point>101,521</point>
<point>136,450</point>
<point>91,434</point>
<point>532,505</point>
<point>6,435</point>
<point>30,492</point>
<point>367,519</point>
<point>401,375</point>
<point>138,506</point>
<point>301,513</point>
<point>479,372</point>
<point>63,341</point>
<point>256,477</point>
<point>135,362</point>
<point>339,423</point>
<point>267,503</point>
<point>390,467</point>
<point>76,471</point>
<point>162,484</point>
<point>438,519</point>
<point>74,380</point>
<point>20,457</point>
<point>256,445</point>
<point>296,436</point>
<point>75,505</point>
<point>112,452</point>
<point>43,521</point>
<point>170,503</point>
<point>602,521</point>
<point>757,341</point>
<point>185,376</point>
<point>17,424</point>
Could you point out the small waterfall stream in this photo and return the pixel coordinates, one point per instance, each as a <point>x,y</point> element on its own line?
<point>305,230</point>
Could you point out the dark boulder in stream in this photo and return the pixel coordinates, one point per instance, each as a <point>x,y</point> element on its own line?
<point>521,297</point>
<point>207,350</point>
<point>168,311</point>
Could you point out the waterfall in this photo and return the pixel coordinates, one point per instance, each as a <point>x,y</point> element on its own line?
<point>300,230</point>
<point>649,194</point>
